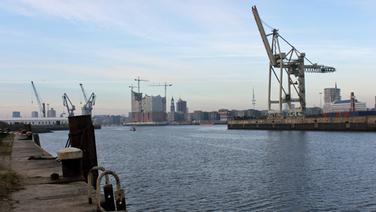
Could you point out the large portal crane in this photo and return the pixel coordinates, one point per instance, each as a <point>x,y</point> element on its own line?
<point>69,105</point>
<point>165,85</point>
<point>89,102</point>
<point>290,64</point>
<point>42,106</point>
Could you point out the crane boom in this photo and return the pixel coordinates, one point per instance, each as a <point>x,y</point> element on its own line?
<point>318,69</point>
<point>83,92</point>
<point>69,105</point>
<point>42,108</point>
<point>263,36</point>
<point>89,102</point>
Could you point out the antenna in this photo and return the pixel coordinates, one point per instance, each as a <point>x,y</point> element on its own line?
<point>253,99</point>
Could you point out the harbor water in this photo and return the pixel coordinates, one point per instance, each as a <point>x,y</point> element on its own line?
<point>197,168</point>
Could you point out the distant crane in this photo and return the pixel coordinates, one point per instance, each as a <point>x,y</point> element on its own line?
<point>139,92</point>
<point>165,85</point>
<point>132,87</point>
<point>69,105</point>
<point>138,83</point>
<point>89,102</point>
<point>42,106</point>
<point>290,64</point>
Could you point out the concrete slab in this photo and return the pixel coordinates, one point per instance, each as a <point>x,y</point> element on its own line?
<point>38,192</point>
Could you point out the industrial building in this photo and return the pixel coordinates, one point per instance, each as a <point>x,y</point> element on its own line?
<point>34,114</point>
<point>332,94</point>
<point>16,114</point>
<point>51,113</point>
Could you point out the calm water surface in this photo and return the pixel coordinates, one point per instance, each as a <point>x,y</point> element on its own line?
<point>196,168</point>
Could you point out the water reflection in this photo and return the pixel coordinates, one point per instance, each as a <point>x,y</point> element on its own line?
<point>210,168</point>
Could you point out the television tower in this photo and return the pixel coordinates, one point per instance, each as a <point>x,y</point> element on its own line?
<point>253,99</point>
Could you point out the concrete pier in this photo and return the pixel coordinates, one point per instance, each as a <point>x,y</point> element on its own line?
<point>38,192</point>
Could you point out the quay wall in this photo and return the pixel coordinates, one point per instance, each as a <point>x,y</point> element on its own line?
<point>351,123</point>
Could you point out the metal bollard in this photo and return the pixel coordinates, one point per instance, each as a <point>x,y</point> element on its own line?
<point>119,193</point>
<point>90,188</point>
<point>71,160</point>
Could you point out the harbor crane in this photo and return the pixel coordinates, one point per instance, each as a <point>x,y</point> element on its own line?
<point>69,105</point>
<point>42,106</point>
<point>290,64</point>
<point>89,102</point>
<point>165,85</point>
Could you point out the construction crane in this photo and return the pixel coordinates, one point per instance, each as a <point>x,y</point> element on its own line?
<point>89,102</point>
<point>290,64</point>
<point>138,83</point>
<point>69,105</point>
<point>139,92</point>
<point>165,85</point>
<point>132,87</point>
<point>42,106</point>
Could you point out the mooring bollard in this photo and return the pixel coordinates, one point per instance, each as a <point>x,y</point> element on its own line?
<point>81,135</point>
<point>90,188</point>
<point>110,202</point>
<point>71,160</point>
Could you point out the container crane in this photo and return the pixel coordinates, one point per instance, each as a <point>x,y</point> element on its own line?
<point>290,64</point>
<point>89,102</point>
<point>69,105</point>
<point>42,106</point>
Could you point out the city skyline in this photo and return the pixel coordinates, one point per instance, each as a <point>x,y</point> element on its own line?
<point>210,51</point>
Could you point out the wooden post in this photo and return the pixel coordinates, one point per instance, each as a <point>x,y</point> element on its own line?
<point>81,133</point>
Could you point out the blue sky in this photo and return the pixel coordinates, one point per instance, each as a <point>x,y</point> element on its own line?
<point>210,50</point>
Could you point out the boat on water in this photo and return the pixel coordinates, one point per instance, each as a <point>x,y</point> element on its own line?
<point>132,129</point>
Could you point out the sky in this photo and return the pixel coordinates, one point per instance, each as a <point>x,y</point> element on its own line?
<point>209,50</point>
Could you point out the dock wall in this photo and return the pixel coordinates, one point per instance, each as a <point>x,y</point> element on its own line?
<point>352,123</point>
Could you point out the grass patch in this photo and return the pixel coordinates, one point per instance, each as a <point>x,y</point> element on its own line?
<point>9,181</point>
<point>6,145</point>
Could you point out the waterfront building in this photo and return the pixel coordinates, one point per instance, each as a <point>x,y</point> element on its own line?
<point>213,116</point>
<point>333,102</point>
<point>171,114</point>
<point>344,106</point>
<point>136,99</point>
<point>16,114</point>
<point>148,108</point>
<point>51,113</point>
<point>37,121</point>
<point>332,94</point>
<point>224,114</point>
<point>181,106</point>
<point>153,104</point>
<point>181,111</point>
<point>34,114</point>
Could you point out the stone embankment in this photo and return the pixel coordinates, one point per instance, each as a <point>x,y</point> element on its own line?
<point>36,190</point>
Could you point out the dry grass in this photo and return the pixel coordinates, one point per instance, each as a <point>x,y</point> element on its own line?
<point>9,180</point>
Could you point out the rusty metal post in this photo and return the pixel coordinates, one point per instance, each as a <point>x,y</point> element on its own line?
<point>81,134</point>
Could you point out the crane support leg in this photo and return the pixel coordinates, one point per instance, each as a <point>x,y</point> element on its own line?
<point>270,87</point>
